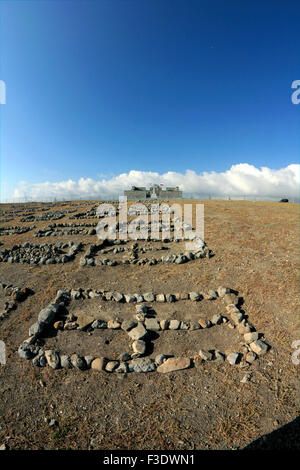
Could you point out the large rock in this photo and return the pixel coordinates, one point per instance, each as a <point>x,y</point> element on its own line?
<point>47,315</point>
<point>174,363</point>
<point>139,332</point>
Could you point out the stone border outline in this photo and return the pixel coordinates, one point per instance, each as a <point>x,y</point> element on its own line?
<point>30,348</point>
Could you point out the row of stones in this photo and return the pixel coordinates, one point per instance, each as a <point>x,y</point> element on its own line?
<point>179,258</point>
<point>18,229</point>
<point>221,292</point>
<point>30,349</point>
<point>16,294</point>
<point>40,254</point>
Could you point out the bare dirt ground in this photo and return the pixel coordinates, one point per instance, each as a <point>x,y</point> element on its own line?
<point>256,253</point>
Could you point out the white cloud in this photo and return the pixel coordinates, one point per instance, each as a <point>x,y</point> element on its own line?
<point>239,181</point>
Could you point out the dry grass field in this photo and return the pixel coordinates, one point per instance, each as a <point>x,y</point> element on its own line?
<point>256,253</point>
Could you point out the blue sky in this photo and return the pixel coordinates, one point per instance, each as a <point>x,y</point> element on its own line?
<point>99,88</point>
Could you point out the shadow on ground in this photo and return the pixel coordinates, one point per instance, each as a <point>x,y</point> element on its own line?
<point>285,438</point>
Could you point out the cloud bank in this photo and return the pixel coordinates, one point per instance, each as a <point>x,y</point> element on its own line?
<point>241,180</point>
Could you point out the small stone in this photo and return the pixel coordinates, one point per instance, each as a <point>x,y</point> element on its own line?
<point>246,378</point>
<point>194,325</point>
<point>204,323</point>
<point>139,298</point>
<point>174,324</point>
<point>99,324</point>
<point>111,366</point>
<point>59,325</point>
<point>236,317</point>
<point>89,360</point>
<point>159,359</point>
<point>170,298</point>
<point>149,297</point>
<point>78,362</point>
<point>219,356</point>
<point>113,324</point>
<point>160,298</point>
<point>195,296</point>
<point>250,337</point>
<point>216,319</point>
<point>52,423</point>
<point>124,357</point>
<point>140,316</point>
<point>53,359</point>
<point>174,363</point>
<point>130,298</point>
<point>250,357</point>
<point>139,346</point>
<point>127,325</point>
<point>141,308</point>
<point>122,369</point>
<point>243,327</point>
<point>164,324</point>
<point>184,325</point>
<point>65,361</point>
<point>233,358</point>
<point>222,291</point>
<point>152,324</point>
<point>117,297</point>
<point>98,363</point>
<point>259,347</point>
<point>230,299</point>
<point>206,355</point>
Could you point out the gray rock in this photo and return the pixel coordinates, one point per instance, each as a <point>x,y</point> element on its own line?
<point>130,298</point>
<point>152,324</point>
<point>195,296</point>
<point>36,329</point>
<point>65,361</point>
<point>78,362</point>
<point>99,324</point>
<point>143,364</point>
<point>47,315</point>
<point>216,319</point>
<point>206,355</point>
<point>233,358</point>
<point>259,347</point>
<point>139,346</point>
<point>149,297</point>
<point>139,332</point>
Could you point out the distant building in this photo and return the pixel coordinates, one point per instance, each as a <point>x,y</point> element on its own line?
<point>155,192</point>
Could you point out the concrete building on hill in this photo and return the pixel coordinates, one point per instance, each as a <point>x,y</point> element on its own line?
<point>141,193</point>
